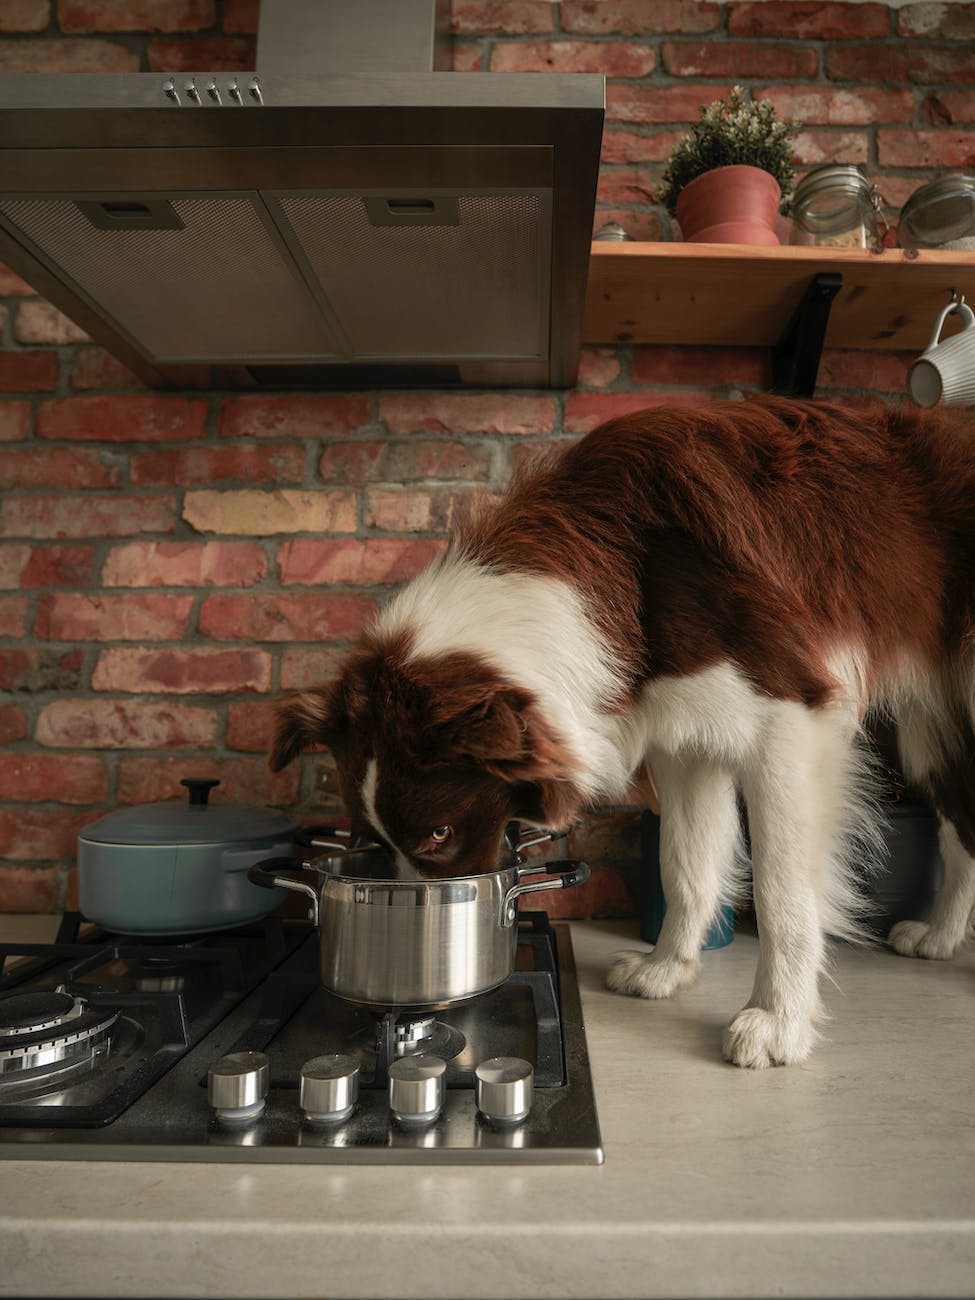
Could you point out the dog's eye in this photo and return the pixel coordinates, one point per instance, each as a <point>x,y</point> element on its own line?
<point>436,840</point>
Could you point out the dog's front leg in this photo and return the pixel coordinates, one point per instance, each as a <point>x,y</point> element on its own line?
<point>699,832</point>
<point>782,785</point>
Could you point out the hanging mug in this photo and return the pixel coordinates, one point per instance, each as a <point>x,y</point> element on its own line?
<point>945,372</point>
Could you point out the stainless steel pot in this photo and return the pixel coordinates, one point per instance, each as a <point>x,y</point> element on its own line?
<point>181,867</point>
<point>416,944</point>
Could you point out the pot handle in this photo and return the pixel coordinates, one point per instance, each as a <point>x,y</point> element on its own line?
<point>322,837</point>
<point>577,873</point>
<point>268,874</point>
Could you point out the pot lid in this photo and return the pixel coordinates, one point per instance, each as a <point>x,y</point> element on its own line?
<point>192,822</point>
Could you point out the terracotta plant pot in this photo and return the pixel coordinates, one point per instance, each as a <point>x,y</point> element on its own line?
<point>730,205</point>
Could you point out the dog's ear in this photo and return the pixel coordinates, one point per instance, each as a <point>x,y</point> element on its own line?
<point>305,719</point>
<point>554,804</point>
<point>503,733</point>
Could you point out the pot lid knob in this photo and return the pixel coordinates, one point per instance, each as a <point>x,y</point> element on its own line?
<point>416,1088</point>
<point>237,1086</point>
<point>329,1088</point>
<point>199,788</point>
<point>503,1089</point>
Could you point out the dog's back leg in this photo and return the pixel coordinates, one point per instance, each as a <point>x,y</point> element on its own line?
<point>803,790</point>
<point>938,753</point>
<point>699,843</point>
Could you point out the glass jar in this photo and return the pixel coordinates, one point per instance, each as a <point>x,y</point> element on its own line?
<point>836,206</point>
<point>941,214</point>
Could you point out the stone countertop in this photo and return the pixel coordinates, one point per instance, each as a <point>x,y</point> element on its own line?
<point>852,1175</point>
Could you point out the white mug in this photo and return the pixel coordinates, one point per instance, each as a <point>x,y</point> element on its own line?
<point>945,372</point>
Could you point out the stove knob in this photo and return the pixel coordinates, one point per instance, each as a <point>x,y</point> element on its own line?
<point>328,1089</point>
<point>503,1089</point>
<point>237,1086</point>
<point>416,1088</point>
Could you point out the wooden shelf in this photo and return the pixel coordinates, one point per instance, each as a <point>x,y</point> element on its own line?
<point>745,296</point>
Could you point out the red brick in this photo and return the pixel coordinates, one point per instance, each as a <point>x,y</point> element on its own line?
<point>254,513</point>
<point>25,15</point>
<point>660,105</point>
<point>637,17</point>
<point>468,56</point>
<point>123,418</point>
<point>603,896</point>
<point>14,420</point>
<point>947,21</point>
<point>402,462</point>
<point>598,367</point>
<point>41,670</point>
<point>611,58</point>
<point>68,467</point>
<point>13,724</point>
<point>13,615</point>
<point>250,726</point>
<point>904,63</point>
<point>875,372</point>
<point>705,367</point>
<point>184,564</point>
<point>353,560</point>
<point>814,147</point>
<point>29,889</point>
<point>125,724</point>
<point>46,566</point>
<point>809,20</point>
<point>511,17</point>
<point>527,455</point>
<point>215,53</point>
<point>28,372</point>
<point>242,780</point>
<point>284,616</point>
<point>240,16</point>
<point>584,411</point>
<point>93,367</point>
<point>135,15</point>
<point>632,147</point>
<point>916,148</point>
<point>813,105</point>
<point>950,107</point>
<point>69,778</point>
<point>54,55</point>
<point>302,666</point>
<point>421,510</point>
<point>630,184</point>
<point>333,415</point>
<point>12,285</point>
<point>490,412</point>
<point>76,616</point>
<point>38,321</point>
<point>270,463</point>
<point>32,834</point>
<point>179,671</point>
<point>115,515</point>
<point>738,59</point>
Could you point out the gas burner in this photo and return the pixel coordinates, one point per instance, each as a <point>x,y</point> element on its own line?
<point>159,973</point>
<point>48,1028</point>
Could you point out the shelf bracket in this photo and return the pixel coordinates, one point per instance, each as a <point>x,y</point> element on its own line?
<point>795,359</point>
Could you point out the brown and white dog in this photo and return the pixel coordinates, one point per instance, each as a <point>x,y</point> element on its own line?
<point>724,592</point>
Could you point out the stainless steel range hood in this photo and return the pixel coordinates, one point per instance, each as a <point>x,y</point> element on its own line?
<point>312,229</point>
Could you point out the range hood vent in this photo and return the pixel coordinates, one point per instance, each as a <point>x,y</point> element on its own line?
<point>312,230</point>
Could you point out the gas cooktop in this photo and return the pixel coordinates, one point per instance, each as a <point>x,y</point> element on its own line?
<point>225,1047</point>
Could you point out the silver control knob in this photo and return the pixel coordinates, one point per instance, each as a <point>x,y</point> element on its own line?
<point>328,1088</point>
<point>503,1089</point>
<point>416,1088</point>
<point>237,1086</point>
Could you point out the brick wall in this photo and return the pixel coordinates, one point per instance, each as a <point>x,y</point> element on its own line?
<point>170,562</point>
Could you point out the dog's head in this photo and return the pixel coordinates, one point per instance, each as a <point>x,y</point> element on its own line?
<point>435,756</point>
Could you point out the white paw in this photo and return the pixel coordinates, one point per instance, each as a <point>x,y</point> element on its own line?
<point>645,975</point>
<point>918,939</point>
<point>757,1038</point>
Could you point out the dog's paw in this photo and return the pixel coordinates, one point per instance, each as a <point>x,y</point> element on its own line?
<point>645,975</point>
<point>919,939</point>
<point>757,1038</point>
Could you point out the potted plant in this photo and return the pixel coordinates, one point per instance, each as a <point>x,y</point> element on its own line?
<point>725,180</point>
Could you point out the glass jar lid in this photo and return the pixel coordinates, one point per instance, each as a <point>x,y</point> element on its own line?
<point>831,178</point>
<point>833,198</point>
<point>939,212</point>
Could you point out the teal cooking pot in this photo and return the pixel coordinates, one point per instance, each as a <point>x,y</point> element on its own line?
<point>181,867</point>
